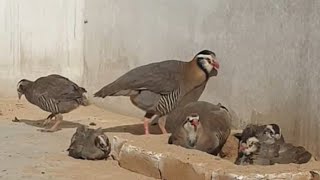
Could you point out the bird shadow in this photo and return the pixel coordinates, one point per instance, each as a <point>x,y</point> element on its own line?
<point>39,123</point>
<point>135,129</point>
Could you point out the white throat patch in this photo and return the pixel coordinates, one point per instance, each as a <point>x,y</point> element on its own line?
<point>192,134</point>
<point>253,148</point>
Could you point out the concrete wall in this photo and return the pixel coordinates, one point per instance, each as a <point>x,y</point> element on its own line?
<point>268,51</point>
<point>39,37</point>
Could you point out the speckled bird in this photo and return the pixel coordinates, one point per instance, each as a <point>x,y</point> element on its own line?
<point>158,88</point>
<point>91,144</point>
<point>265,145</point>
<point>55,94</point>
<point>268,133</point>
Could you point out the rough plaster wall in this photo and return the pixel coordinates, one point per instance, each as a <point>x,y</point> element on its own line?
<point>38,38</point>
<point>267,50</point>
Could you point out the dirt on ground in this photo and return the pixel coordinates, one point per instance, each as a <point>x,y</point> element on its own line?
<point>27,153</point>
<point>30,154</point>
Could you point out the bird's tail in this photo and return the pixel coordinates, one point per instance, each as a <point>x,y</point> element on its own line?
<point>303,156</point>
<point>107,90</point>
<point>114,89</point>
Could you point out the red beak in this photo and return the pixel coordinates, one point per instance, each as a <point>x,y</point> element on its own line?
<point>215,64</point>
<point>242,148</point>
<point>195,123</point>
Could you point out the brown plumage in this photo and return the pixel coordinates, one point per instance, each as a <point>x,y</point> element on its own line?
<point>202,126</point>
<point>91,144</point>
<point>55,94</point>
<point>289,153</point>
<point>261,153</point>
<point>254,152</point>
<point>269,133</point>
<point>158,88</point>
<point>265,145</point>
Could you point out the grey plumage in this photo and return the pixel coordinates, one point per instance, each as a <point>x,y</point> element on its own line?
<point>212,131</point>
<point>269,133</point>
<point>54,93</point>
<point>289,153</point>
<point>192,96</point>
<point>91,144</point>
<point>147,77</point>
<point>158,88</point>
<point>269,146</point>
<point>257,153</point>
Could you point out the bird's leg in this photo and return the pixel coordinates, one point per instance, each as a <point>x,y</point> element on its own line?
<point>146,125</point>
<point>48,119</point>
<point>54,128</point>
<point>154,120</point>
<point>162,124</point>
<point>147,117</point>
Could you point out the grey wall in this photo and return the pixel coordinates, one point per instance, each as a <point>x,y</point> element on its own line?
<point>38,37</point>
<point>267,51</point>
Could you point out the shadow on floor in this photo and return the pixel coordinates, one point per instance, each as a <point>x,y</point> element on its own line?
<point>136,129</point>
<point>39,123</point>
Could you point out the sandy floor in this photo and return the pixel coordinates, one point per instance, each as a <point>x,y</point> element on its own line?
<point>29,154</point>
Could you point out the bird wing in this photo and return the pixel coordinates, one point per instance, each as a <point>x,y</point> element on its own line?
<point>58,88</point>
<point>161,77</point>
<point>193,95</point>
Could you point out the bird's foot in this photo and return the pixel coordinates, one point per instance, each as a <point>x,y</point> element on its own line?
<point>46,122</point>
<point>49,119</point>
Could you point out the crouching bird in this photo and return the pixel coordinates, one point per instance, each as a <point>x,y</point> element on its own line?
<point>55,94</point>
<point>269,133</point>
<point>265,145</point>
<point>202,126</point>
<point>90,144</point>
<point>157,88</point>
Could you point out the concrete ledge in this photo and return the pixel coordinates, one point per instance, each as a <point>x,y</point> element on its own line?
<point>172,168</point>
<point>138,160</point>
<point>172,162</point>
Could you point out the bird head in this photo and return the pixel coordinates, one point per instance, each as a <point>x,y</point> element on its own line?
<point>206,60</point>
<point>249,146</point>
<point>101,140</point>
<point>272,132</point>
<point>192,122</point>
<point>22,87</point>
<point>87,143</point>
